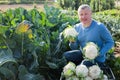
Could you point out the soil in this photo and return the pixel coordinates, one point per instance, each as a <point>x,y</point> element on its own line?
<point>4,7</point>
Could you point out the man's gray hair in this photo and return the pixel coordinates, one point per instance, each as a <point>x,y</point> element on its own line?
<point>84,6</point>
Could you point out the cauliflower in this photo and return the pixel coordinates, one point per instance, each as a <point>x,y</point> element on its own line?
<point>69,69</point>
<point>88,78</point>
<point>68,73</point>
<point>70,33</point>
<point>72,78</point>
<point>105,77</point>
<point>70,66</point>
<point>90,51</point>
<point>81,71</point>
<point>94,72</point>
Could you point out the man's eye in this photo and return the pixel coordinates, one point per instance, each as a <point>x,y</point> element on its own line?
<point>81,14</point>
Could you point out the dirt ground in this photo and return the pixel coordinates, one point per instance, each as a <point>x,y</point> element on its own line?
<point>26,6</point>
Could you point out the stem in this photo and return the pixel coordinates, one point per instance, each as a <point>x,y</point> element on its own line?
<point>22,43</point>
<point>7,45</point>
<point>46,32</point>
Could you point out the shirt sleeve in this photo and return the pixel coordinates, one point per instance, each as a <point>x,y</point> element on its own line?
<point>107,39</point>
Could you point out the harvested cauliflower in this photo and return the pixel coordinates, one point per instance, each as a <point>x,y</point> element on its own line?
<point>95,72</point>
<point>81,71</point>
<point>70,33</point>
<point>90,51</point>
<point>69,69</point>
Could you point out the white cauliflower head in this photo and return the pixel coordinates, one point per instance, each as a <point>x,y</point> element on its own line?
<point>69,69</point>
<point>70,33</point>
<point>72,78</point>
<point>70,66</point>
<point>88,78</point>
<point>90,51</point>
<point>81,71</point>
<point>94,72</point>
<point>105,77</point>
<point>67,73</point>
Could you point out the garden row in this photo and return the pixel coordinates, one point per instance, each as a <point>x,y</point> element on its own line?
<point>30,46</point>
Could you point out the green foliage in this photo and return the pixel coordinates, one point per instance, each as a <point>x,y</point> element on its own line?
<point>7,73</point>
<point>25,75</point>
<point>111,20</point>
<point>96,5</point>
<point>6,56</point>
<point>65,4</point>
<point>37,51</point>
<point>23,1</point>
<point>114,63</point>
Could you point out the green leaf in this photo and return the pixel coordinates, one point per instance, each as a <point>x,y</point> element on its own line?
<point>22,12</point>
<point>35,62</point>
<point>11,43</point>
<point>43,18</point>
<point>1,18</point>
<point>6,56</point>
<point>25,75</point>
<point>52,65</point>
<point>10,14</point>
<point>49,24</point>
<point>7,73</point>
<point>3,29</point>
<point>13,21</point>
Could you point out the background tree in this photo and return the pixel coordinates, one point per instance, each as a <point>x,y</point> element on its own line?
<point>96,5</point>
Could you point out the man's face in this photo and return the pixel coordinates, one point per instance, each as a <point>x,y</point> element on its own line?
<point>85,16</point>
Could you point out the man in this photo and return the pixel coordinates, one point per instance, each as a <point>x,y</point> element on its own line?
<point>89,31</point>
